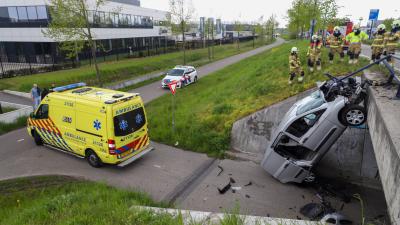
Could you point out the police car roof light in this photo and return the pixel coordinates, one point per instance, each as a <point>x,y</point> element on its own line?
<point>69,87</point>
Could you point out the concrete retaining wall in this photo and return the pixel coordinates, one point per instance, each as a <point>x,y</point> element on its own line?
<point>22,110</point>
<point>351,158</point>
<point>384,122</point>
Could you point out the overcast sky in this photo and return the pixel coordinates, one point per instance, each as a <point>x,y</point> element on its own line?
<point>251,10</point>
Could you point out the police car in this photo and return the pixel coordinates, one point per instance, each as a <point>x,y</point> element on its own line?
<point>184,75</point>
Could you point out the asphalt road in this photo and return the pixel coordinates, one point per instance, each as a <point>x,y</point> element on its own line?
<point>188,179</point>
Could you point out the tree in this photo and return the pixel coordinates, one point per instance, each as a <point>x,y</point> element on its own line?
<point>329,10</point>
<point>70,25</point>
<point>181,12</point>
<point>388,23</point>
<point>238,27</point>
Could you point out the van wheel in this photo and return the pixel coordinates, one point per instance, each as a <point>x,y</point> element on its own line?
<point>353,115</point>
<point>195,79</point>
<point>37,138</point>
<point>93,159</point>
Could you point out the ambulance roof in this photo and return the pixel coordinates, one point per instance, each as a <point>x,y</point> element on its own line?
<point>94,94</point>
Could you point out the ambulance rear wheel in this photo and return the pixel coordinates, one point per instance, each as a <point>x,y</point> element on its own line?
<point>37,138</point>
<point>93,159</point>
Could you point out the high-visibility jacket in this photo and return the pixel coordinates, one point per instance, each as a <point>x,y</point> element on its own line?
<point>355,39</point>
<point>335,42</point>
<point>391,39</point>
<point>379,40</point>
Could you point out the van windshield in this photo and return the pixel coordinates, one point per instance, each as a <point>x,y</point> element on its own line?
<point>129,122</point>
<point>311,102</point>
<point>176,72</point>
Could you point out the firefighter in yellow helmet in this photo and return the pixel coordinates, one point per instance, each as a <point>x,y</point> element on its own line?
<point>336,44</point>
<point>355,38</point>
<point>295,66</point>
<point>392,38</point>
<point>314,53</point>
<point>378,43</point>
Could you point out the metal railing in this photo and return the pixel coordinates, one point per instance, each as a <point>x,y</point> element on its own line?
<point>391,69</point>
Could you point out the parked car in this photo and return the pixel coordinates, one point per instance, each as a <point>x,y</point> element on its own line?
<point>312,126</point>
<point>184,75</point>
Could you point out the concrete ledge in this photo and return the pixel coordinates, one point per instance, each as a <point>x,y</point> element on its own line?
<point>18,93</point>
<point>199,217</point>
<point>22,110</point>
<point>384,123</point>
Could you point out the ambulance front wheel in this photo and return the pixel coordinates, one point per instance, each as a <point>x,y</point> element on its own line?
<point>93,159</point>
<point>37,138</point>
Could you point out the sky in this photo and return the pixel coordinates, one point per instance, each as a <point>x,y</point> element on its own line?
<point>252,10</point>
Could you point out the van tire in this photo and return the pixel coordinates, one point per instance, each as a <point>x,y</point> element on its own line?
<point>36,137</point>
<point>93,159</point>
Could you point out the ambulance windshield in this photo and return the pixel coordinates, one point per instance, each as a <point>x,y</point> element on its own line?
<point>129,122</point>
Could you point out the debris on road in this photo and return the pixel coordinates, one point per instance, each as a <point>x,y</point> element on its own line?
<point>231,180</point>
<point>336,219</point>
<point>248,184</point>
<point>236,188</point>
<point>248,196</point>
<point>225,189</point>
<point>221,170</point>
<point>157,166</point>
<point>313,210</point>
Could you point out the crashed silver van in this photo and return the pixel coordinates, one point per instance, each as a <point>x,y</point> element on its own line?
<point>311,126</point>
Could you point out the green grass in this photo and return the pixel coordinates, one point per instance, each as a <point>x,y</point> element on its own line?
<point>206,111</point>
<point>65,200</point>
<point>7,127</point>
<point>7,109</point>
<point>123,69</point>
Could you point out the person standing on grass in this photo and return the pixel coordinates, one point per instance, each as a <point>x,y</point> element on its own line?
<point>35,94</point>
<point>295,66</point>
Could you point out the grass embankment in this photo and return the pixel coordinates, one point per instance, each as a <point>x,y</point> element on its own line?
<point>206,111</point>
<point>43,200</point>
<point>123,69</point>
<point>7,127</point>
<point>62,200</point>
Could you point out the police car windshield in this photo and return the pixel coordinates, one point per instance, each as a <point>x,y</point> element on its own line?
<point>311,102</point>
<point>129,122</point>
<point>176,72</point>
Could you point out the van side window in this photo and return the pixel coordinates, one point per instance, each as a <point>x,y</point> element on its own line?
<point>42,112</point>
<point>300,127</point>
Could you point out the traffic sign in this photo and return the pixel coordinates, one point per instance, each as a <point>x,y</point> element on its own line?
<point>172,86</point>
<point>373,14</point>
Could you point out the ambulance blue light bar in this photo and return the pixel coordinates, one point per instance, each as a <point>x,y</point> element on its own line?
<point>69,87</point>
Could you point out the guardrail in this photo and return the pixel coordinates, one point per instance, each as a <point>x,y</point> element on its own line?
<point>392,76</point>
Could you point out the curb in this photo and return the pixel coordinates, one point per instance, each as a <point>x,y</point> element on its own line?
<point>134,81</point>
<point>199,217</point>
<point>10,117</point>
<point>18,93</point>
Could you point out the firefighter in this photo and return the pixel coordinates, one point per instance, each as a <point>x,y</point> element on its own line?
<point>295,66</point>
<point>391,39</point>
<point>336,44</point>
<point>314,53</point>
<point>355,38</point>
<point>378,43</point>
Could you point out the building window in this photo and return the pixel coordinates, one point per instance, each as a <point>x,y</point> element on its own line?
<point>22,14</point>
<point>32,13</point>
<point>13,14</point>
<point>41,12</point>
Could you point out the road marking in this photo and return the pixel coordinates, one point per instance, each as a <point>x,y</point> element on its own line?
<point>20,140</point>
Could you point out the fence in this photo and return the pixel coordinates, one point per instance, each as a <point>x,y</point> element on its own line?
<point>20,65</point>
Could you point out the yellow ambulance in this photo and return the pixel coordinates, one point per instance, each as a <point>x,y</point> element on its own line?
<point>101,125</point>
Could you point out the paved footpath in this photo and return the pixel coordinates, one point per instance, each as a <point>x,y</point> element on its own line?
<point>188,179</point>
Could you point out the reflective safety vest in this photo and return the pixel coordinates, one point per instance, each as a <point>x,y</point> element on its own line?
<point>391,39</point>
<point>379,40</point>
<point>335,42</point>
<point>355,39</point>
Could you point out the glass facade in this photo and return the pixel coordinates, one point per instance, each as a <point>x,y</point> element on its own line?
<point>21,16</point>
<point>38,16</point>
